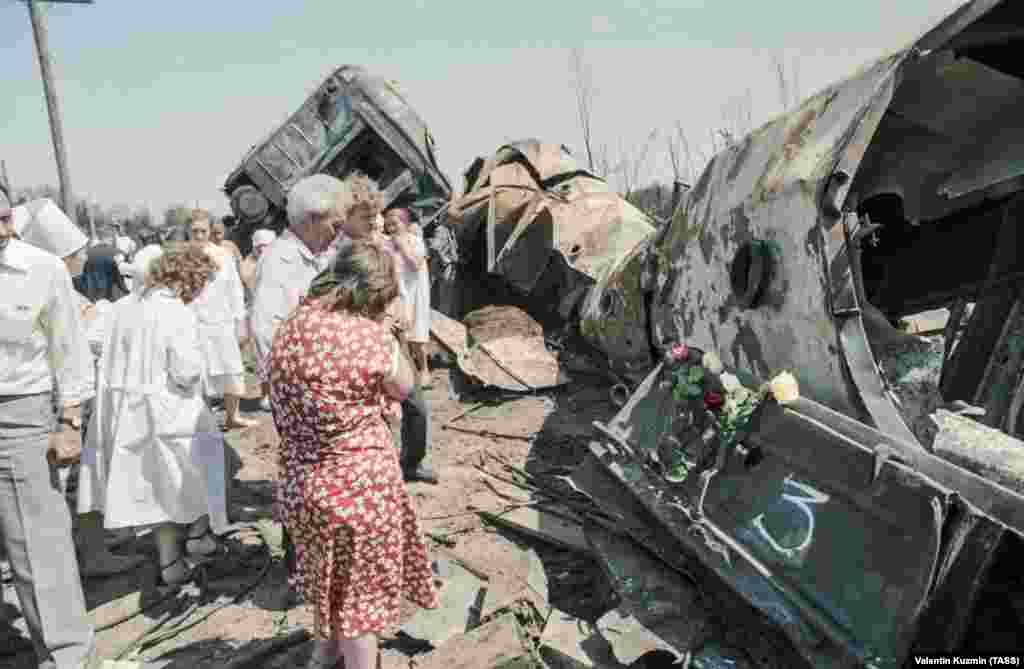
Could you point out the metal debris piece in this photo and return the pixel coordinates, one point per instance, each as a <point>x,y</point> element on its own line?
<point>515,363</point>
<point>458,597</point>
<point>981,449</point>
<point>490,645</point>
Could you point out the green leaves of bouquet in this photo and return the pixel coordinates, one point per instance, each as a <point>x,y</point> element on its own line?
<point>687,383</point>
<point>731,404</point>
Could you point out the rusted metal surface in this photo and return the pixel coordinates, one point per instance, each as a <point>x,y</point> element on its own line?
<point>765,189</point>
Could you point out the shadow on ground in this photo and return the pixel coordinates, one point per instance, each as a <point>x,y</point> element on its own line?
<point>576,583</point>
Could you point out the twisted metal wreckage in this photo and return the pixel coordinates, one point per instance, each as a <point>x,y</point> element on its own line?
<point>876,515</point>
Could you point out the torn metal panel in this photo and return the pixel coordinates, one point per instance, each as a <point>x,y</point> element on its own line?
<point>818,541</point>
<point>989,497</point>
<point>615,317</point>
<point>630,639</point>
<point>530,201</point>
<point>517,363</point>
<point>970,552</point>
<point>528,360</point>
<point>829,538</point>
<point>656,597</point>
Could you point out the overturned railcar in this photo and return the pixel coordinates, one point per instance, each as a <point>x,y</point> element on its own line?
<point>880,516</point>
<point>354,121</point>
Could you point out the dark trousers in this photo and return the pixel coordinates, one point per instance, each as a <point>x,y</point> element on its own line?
<point>415,435</point>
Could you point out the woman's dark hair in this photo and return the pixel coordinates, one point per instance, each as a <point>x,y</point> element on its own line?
<point>100,278</point>
<point>363,281</point>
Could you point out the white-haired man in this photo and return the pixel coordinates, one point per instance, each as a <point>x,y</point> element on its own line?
<point>42,338</point>
<point>292,262</point>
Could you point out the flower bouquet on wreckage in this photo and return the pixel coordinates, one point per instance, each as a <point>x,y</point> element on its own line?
<point>712,411</point>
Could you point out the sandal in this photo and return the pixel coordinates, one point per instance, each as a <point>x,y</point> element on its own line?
<point>162,582</point>
<point>219,551</point>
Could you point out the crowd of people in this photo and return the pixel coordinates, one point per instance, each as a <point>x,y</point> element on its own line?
<point>113,361</point>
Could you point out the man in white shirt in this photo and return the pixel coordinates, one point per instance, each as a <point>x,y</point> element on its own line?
<point>292,262</point>
<point>42,338</point>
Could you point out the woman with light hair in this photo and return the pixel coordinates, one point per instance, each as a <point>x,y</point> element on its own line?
<point>154,456</point>
<point>218,237</point>
<point>407,240</point>
<point>220,310</point>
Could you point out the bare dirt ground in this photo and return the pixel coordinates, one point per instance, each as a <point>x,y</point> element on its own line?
<point>483,456</point>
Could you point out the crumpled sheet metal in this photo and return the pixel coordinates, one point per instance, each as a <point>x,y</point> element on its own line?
<point>535,183</point>
<point>614,317</point>
<point>515,363</point>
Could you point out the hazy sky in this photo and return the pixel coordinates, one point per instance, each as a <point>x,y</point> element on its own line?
<point>162,98</point>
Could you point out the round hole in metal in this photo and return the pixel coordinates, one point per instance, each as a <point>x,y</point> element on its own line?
<point>749,272</point>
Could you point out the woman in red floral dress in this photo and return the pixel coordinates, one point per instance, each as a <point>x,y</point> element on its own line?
<point>336,373</point>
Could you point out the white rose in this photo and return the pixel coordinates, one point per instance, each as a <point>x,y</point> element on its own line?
<point>784,388</point>
<point>712,363</point>
<point>730,383</point>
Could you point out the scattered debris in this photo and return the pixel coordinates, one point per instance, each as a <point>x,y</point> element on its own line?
<point>629,639</point>
<point>545,525</point>
<point>487,647</point>
<point>659,599</point>
<point>500,347</point>
<point>462,597</point>
<point>564,644</point>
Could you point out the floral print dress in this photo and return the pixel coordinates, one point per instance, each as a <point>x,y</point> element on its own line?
<point>340,492</point>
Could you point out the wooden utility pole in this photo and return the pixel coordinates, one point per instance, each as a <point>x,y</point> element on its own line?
<point>56,128</point>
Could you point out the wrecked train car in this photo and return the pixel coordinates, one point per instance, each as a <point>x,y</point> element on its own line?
<point>531,224</point>
<point>879,515</point>
<point>354,121</point>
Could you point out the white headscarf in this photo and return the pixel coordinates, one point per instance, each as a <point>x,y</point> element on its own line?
<point>141,265</point>
<point>263,237</point>
<point>41,223</point>
<point>125,245</point>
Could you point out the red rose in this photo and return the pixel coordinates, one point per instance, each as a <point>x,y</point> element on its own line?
<point>712,401</point>
<point>679,352</point>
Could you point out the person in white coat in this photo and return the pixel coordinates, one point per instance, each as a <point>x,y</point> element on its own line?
<point>42,224</point>
<point>154,455</point>
<point>221,313</point>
